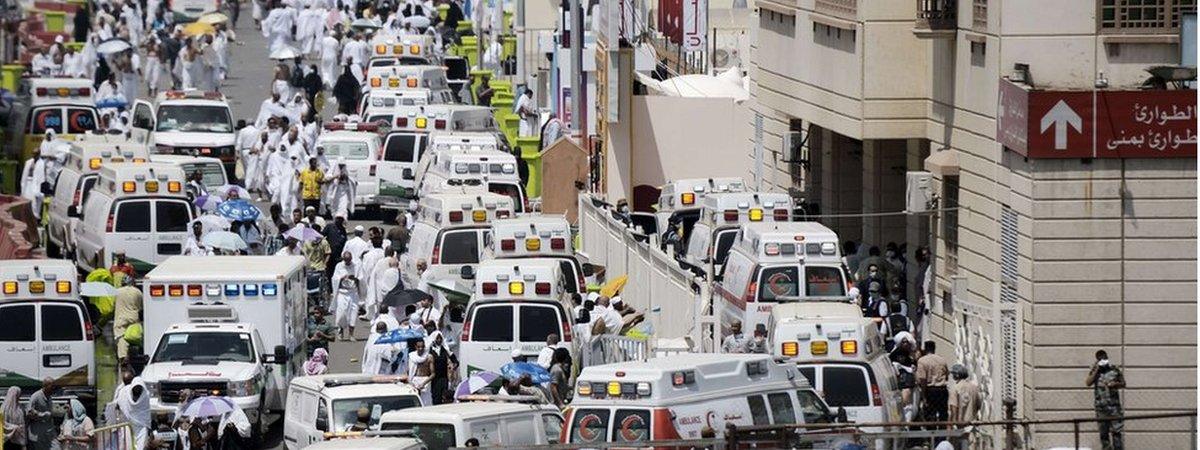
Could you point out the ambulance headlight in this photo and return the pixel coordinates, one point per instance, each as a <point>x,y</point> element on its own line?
<point>791,348</point>
<point>243,388</point>
<point>643,389</point>
<point>152,386</point>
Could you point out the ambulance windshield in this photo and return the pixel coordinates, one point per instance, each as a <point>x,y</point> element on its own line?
<point>204,348</point>
<point>194,118</point>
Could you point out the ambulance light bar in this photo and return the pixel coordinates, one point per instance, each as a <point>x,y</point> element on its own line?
<point>212,291</point>
<point>379,379</point>
<point>352,126</point>
<point>193,94</point>
<point>64,92</point>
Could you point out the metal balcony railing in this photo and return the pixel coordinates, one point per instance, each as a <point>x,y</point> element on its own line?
<point>937,14</point>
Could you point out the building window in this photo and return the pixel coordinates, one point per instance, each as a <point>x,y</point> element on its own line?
<point>979,14</point>
<point>1143,16</point>
<point>950,221</point>
<point>797,152</point>
<point>845,9</point>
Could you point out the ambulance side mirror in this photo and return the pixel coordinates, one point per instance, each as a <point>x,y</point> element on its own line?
<point>588,269</point>
<point>841,415</point>
<point>281,354</point>
<point>322,424</point>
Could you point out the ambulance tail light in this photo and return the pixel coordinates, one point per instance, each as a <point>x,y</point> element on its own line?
<point>466,331</point>
<point>157,290</point>
<point>782,215</point>
<point>756,215</point>
<point>456,216</point>
<point>687,198</point>
<point>437,254</point>
<point>75,199</point>
<point>401,122</point>
<point>94,163</point>
<point>89,330</point>
<point>490,288</point>
<point>791,348</point>
<point>175,290</point>
<point>508,245</point>
<point>558,243</point>
<point>10,287</point>
<point>195,290</point>
<point>731,215</point>
<point>567,335</point>
<point>371,171</point>
<point>108,227</point>
<point>876,399</point>
<point>439,124</point>
<point>542,288</point>
<point>751,292</point>
<point>62,287</point>
<point>849,347</point>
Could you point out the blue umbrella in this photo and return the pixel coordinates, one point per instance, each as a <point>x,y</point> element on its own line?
<point>514,370</point>
<point>238,210</point>
<point>112,102</point>
<point>400,335</point>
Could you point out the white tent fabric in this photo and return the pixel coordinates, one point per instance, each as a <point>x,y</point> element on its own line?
<point>728,84</point>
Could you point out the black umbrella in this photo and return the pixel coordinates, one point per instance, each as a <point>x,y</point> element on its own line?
<point>399,298</point>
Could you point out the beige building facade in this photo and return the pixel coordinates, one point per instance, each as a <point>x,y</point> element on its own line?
<point>1038,262</point>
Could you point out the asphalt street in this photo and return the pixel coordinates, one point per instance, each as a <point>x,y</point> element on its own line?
<point>246,87</point>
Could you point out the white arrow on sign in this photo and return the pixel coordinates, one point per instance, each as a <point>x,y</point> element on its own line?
<point>1060,116</point>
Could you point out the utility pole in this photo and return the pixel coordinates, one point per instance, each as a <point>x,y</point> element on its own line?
<point>519,31</point>
<point>577,87</point>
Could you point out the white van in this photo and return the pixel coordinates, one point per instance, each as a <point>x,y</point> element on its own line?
<point>359,144</point>
<point>228,325</point>
<point>374,443</point>
<point>79,174</point>
<point>539,236</point>
<point>675,397</point>
<point>432,78</point>
<point>404,157</point>
<point>713,234</point>
<point>212,170</point>
<point>451,232</point>
<point>492,423</point>
<point>139,209</point>
<point>190,122</point>
<point>329,404</point>
<point>64,105</point>
<point>379,105</point>
<point>773,263</point>
<point>45,331</point>
<point>842,354</point>
<point>388,49</point>
<point>493,169</point>
<point>516,305</point>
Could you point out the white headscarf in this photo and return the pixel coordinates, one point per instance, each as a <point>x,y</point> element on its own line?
<point>240,421</point>
<point>137,411</point>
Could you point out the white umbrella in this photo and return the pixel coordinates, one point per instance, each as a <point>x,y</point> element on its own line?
<point>363,23</point>
<point>223,240</point>
<point>213,222</point>
<point>97,289</point>
<point>285,53</point>
<point>223,191</point>
<point>115,45</point>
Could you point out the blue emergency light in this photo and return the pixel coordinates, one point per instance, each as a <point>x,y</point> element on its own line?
<point>270,289</point>
<point>231,290</point>
<point>250,290</point>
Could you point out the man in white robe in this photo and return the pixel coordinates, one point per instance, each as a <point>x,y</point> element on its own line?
<point>377,357</point>
<point>308,23</point>
<point>247,136</point>
<point>356,245</point>
<point>271,107</point>
<point>278,28</point>
<point>330,54</point>
<point>345,304</point>
<point>341,189</point>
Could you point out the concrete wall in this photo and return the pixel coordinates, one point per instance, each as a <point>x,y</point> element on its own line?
<point>677,137</point>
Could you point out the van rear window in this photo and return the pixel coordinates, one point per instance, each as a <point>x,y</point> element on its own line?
<point>44,119</point>
<point>589,426</point>
<point>133,217</point>
<point>846,386</point>
<point>510,190</point>
<point>15,323</point>
<point>211,174</point>
<point>823,282</point>
<point>460,247</point>
<point>435,436</point>
<point>493,324</point>
<point>400,148</point>
<point>61,323</point>
<point>631,425</point>
<point>172,217</point>
<point>777,282</point>
<point>537,322</point>
<point>80,120</point>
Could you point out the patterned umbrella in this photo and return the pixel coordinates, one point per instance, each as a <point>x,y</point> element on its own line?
<point>474,383</point>
<point>303,233</point>
<point>207,407</point>
<point>400,335</point>
<point>238,210</point>
<point>514,370</point>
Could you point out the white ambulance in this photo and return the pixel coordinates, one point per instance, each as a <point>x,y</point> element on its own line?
<point>45,331</point>
<point>492,423</point>
<point>406,144</point>
<point>492,169</point>
<point>190,122</point>
<point>842,354</point>
<point>140,209</point>
<point>773,263</point>
<point>450,233</point>
<point>79,175</point>
<point>539,236</point>
<point>389,49</point>
<point>675,397</point>
<point>359,145</point>
<point>410,77</point>
<point>713,234</point>
<point>329,403</point>
<point>680,201</point>
<point>378,105</point>
<point>516,305</point>
<point>224,325</point>
<point>64,105</point>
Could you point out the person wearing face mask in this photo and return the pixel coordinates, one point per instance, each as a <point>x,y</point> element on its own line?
<point>758,344</point>
<point>1106,381</point>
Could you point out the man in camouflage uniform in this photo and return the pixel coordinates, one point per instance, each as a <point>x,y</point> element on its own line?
<point>1106,380</point>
